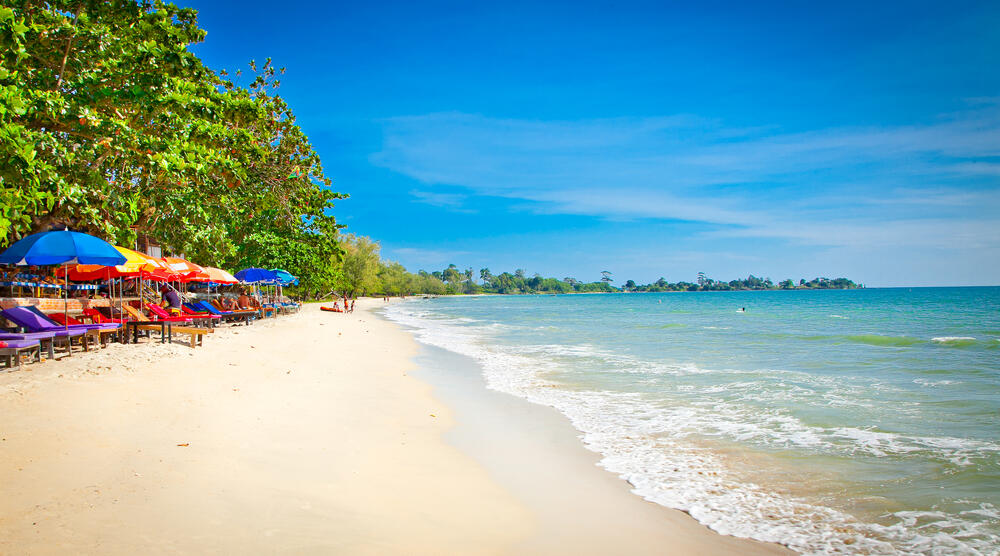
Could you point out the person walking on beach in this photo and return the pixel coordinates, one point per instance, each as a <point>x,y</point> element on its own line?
<point>352,304</point>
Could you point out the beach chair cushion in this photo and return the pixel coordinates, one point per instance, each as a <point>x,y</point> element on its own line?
<point>56,324</point>
<point>162,314</point>
<point>18,344</point>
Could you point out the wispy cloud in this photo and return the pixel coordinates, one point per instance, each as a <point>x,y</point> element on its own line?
<point>451,201</point>
<point>930,184</point>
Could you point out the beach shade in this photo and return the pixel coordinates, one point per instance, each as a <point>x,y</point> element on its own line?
<point>284,278</point>
<point>134,264</point>
<point>186,271</point>
<point>62,247</point>
<point>219,276</point>
<point>256,275</point>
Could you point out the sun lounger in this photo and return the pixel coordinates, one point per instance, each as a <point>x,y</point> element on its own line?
<point>11,351</point>
<point>159,313</point>
<point>237,311</point>
<point>46,339</point>
<point>141,322</point>
<point>100,318</point>
<point>245,316</point>
<point>173,324</point>
<point>33,322</point>
<point>206,317</point>
<point>103,330</point>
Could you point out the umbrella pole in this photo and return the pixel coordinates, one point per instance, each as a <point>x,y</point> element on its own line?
<point>66,299</point>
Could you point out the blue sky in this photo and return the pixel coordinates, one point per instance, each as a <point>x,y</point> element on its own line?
<point>787,140</point>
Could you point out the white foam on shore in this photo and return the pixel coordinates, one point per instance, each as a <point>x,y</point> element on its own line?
<point>645,443</point>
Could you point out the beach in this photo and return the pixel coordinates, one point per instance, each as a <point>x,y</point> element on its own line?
<point>303,434</point>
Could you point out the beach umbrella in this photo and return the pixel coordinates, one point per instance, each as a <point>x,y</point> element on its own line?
<point>62,247</point>
<point>219,276</point>
<point>135,263</point>
<point>256,275</point>
<point>187,271</point>
<point>284,278</point>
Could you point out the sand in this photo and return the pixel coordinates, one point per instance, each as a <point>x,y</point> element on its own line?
<point>307,434</point>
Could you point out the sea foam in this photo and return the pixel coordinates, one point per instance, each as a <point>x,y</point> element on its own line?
<point>647,443</point>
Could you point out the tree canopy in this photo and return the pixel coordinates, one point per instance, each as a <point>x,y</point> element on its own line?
<point>110,125</point>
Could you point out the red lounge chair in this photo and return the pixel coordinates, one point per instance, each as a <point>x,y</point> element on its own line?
<point>101,318</point>
<point>158,313</point>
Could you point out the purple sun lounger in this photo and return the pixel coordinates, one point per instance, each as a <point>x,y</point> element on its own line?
<point>46,339</point>
<point>94,326</point>
<point>32,322</point>
<point>99,329</point>
<point>11,351</point>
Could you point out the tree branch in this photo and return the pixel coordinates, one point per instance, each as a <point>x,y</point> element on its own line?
<point>69,43</point>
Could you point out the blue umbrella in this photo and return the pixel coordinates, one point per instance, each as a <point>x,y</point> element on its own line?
<point>62,247</point>
<point>255,275</point>
<point>284,277</point>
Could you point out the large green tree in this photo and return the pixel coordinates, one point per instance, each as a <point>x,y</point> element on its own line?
<point>109,124</point>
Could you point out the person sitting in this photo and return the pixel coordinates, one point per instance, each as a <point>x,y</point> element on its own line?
<point>170,300</point>
<point>243,301</point>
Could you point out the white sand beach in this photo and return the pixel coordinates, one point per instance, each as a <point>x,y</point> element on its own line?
<point>307,434</point>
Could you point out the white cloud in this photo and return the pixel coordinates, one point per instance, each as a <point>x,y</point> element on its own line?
<point>932,184</point>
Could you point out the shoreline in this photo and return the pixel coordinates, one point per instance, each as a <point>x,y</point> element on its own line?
<point>303,434</point>
<point>534,452</point>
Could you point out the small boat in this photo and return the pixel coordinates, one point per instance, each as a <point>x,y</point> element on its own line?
<point>331,309</point>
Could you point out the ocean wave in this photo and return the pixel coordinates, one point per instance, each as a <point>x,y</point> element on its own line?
<point>955,341</point>
<point>649,444</point>
<point>888,341</point>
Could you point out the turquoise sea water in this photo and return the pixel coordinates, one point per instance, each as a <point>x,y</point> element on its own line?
<point>856,421</point>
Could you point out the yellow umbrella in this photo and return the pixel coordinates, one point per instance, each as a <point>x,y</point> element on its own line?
<point>135,263</point>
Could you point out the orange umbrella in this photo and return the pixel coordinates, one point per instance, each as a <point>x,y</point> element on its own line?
<point>187,270</point>
<point>219,276</point>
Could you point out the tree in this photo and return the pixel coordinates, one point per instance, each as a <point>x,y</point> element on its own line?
<point>359,270</point>
<point>393,278</point>
<point>451,275</point>
<point>606,276</point>
<point>630,285</point>
<point>113,126</point>
<point>486,276</point>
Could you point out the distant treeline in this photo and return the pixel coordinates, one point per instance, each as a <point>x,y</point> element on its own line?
<point>455,281</point>
<point>706,284</point>
<point>393,279</point>
<point>362,271</point>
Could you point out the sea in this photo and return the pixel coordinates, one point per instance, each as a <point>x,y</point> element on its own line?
<point>831,421</point>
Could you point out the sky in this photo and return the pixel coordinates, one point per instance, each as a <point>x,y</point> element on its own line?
<point>649,139</point>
